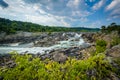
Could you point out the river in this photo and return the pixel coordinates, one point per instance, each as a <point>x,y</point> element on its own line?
<point>75,41</point>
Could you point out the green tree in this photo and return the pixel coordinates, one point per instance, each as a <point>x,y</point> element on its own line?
<point>103,28</point>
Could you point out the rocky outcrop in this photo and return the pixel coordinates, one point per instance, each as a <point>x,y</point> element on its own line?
<point>10,64</point>
<point>59,57</point>
<point>113,56</point>
<point>23,37</point>
<point>46,40</point>
<point>114,51</point>
<point>6,60</point>
<point>52,39</point>
<point>106,37</point>
<point>39,39</point>
<point>89,37</point>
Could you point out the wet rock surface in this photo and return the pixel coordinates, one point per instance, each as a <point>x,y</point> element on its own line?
<point>61,55</point>
<point>43,39</point>
<point>89,37</point>
<point>46,40</point>
<point>34,44</point>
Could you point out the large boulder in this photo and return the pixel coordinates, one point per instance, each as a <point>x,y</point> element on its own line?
<point>59,57</point>
<point>114,51</point>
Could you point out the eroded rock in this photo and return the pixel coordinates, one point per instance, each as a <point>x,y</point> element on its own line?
<point>59,57</point>
<point>114,51</point>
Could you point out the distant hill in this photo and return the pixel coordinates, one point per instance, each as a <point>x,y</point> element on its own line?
<point>9,27</point>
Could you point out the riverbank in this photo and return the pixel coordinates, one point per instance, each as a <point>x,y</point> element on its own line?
<point>99,60</point>
<point>27,37</point>
<point>43,42</point>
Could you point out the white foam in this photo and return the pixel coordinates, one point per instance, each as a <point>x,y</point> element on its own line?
<point>28,48</point>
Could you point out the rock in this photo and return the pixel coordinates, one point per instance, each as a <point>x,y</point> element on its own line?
<point>88,37</point>
<point>106,37</point>
<point>113,77</point>
<point>114,51</point>
<point>91,72</point>
<point>46,56</point>
<point>11,64</point>
<point>87,52</point>
<point>1,78</point>
<point>113,55</point>
<point>73,52</point>
<point>59,57</point>
<point>2,35</point>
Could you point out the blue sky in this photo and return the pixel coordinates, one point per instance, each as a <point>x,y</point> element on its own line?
<point>68,13</point>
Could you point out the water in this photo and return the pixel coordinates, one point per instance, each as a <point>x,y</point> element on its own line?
<point>75,41</point>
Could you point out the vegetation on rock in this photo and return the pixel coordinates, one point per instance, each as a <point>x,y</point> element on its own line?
<point>97,66</point>
<point>110,28</point>
<point>29,68</point>
<point>100,46</point>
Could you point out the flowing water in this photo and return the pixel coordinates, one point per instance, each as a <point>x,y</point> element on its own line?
<point>76,41</point>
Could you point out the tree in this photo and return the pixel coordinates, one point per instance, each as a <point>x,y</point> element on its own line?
<point>103,28</point>
<point>113,24</point>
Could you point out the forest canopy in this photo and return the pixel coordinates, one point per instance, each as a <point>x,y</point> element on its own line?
<point>9,27</point>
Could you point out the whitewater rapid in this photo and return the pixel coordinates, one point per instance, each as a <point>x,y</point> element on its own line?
<point>76,41</point>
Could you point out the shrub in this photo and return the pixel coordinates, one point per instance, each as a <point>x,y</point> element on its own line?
<point>100,46</point>
<point>29,68</point>
<point>115,41</point>
<point>101,43</point>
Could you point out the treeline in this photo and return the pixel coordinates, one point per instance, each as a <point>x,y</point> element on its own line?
<point>9,26</point>
<point>110,28</point>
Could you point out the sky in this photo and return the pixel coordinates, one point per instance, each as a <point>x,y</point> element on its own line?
<point>67,13</point>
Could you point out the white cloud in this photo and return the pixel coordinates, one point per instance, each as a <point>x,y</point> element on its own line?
<point>80,13</point>
<point>45,20</point>
<point>77,5</point>
<point>114,4</point>
<point>49,12</point>
<point>78,8</point>
<point>1,8</point>
<point>95,24</point>
<point>116,11</point>
<point>114,7</point>
<point>98,5</point>
<point>73,3</point>
<point>83,19</point>
<point>65,23</point>
<point>20,11</point>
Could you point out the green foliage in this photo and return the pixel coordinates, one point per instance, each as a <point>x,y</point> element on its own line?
<point>101,43</point>
<point>115,41</point>
<point>110,28</point>
<point>13,26</point>
<point>29,68</point>
<point>117,61</point>
<point>100,46</point>
<point>103,28</point>
<point>49,33</point>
